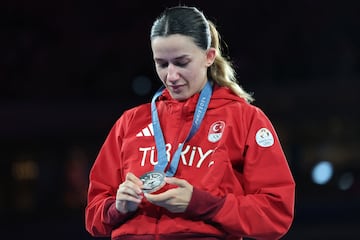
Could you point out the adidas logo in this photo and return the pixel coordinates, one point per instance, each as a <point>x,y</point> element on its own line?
<point>146,132</point>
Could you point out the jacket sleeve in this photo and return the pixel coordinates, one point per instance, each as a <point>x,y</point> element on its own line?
<point>101,215</point>
<point>265,209</point>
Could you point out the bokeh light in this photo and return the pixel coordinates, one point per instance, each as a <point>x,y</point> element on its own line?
<point>322,172</point>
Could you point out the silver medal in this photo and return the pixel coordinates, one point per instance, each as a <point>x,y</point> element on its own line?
<point>152,181</point>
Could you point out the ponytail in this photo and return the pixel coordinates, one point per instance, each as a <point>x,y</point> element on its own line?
<point>222,71</point>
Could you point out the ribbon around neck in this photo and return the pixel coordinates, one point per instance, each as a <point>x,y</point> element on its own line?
<point>200,110</point>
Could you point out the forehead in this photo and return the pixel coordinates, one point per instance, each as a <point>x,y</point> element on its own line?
<point>174,45</point>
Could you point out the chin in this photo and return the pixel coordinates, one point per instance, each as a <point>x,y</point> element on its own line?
<point>179,97</point>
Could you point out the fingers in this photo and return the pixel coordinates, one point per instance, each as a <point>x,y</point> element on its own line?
<point>174,200</point>
<point>132,178</point>
<point>126,206</point>
<point>129,194</point>
<point>130,189</point>
<point>131,185</point>
<point>178,182</point>
<point>161,197</point>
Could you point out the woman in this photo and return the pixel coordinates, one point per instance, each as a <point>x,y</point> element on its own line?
<point>199,161</point>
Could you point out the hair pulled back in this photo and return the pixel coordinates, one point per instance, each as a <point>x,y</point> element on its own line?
<point>189,21</point>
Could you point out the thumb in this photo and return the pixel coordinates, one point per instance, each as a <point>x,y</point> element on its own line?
<point>176,181</point>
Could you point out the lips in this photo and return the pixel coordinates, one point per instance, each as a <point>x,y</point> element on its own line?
<point>176,88</point>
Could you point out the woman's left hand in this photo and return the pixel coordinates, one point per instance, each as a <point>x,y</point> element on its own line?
<point>175,200</point>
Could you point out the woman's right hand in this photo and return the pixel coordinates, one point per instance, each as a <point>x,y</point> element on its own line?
<point>129,194</point>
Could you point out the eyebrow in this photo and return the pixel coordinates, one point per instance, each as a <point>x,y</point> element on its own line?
<point>177,58</point>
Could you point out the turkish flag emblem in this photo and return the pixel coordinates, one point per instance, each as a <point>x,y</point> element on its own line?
<point>216,130</point>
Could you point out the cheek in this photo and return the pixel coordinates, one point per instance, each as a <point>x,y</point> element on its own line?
<point>194,74</point>
<point>161,74</point>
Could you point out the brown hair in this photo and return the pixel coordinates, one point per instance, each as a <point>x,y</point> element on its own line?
<point>189,21</point>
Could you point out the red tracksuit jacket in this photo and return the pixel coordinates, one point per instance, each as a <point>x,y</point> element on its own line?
<point>242,182</point>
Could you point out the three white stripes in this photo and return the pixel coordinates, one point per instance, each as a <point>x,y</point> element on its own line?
<point>146,132</point>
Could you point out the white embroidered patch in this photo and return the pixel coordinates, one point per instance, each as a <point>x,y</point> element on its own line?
<point>264,137</point>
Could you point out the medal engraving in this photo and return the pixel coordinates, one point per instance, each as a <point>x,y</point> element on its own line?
<point>152,181</point>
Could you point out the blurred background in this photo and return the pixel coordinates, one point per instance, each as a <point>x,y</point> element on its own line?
<point>70,68</point>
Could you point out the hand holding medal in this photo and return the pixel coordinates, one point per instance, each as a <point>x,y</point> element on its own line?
<point>152,181</point>
<point>176,199</point>
<point>129,194</point>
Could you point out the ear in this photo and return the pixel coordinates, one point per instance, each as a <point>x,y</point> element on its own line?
<point>210,56</point>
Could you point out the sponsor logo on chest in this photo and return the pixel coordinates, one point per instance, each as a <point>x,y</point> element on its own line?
<point>192,156</point>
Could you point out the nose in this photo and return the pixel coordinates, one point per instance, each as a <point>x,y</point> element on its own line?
<point>172,74</point>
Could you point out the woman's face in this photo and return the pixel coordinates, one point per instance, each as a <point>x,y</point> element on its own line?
<point>181,64</point>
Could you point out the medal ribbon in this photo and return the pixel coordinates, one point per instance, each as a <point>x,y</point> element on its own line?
<point>199,114</point>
